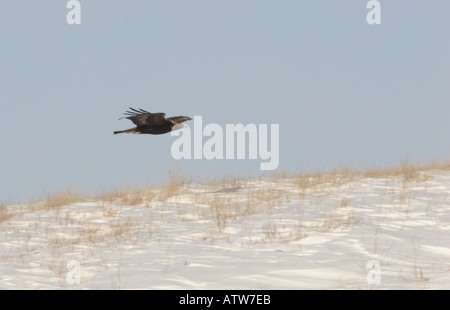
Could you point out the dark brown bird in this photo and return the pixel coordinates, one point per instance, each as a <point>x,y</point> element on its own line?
<point>152,123</point>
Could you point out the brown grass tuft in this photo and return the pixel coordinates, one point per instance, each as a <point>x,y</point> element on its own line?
<point>408,171</point>
<point>63,198</point>
<point>175,182</point>
<point>4,214</point>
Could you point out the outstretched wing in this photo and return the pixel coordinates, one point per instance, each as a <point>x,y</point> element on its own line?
<point>141,117</point>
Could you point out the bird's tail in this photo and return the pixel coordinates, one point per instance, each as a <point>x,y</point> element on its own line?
<point>131,130</point>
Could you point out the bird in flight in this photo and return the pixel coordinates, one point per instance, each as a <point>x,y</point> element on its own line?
<point>152,123</point>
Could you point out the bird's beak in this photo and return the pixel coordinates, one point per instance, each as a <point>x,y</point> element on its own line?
<point>178,126</point>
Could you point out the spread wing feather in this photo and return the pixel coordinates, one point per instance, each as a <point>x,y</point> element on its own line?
<point>142,117</point>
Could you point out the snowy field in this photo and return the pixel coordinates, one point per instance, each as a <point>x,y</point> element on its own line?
<point>293,232</point>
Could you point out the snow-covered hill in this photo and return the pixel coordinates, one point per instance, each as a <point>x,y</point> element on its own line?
<point>315,232</point>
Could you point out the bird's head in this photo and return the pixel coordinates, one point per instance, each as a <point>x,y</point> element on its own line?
<point>178,126</point>
<point>177,122</point>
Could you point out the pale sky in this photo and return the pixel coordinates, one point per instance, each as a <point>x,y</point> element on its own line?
<point>342,91</point>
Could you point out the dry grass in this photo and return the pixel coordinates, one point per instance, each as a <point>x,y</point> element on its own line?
<point>338,218</point>
<point>407,170</point>
<point>63,198</point>
<point>223,208</point>
<point>235,203</point>
<point>336,177</point>
<point>421,280</point>
<point>56,200</point>
<point>231,198</point>
<point>177,184</point>
<point>214,204</point>
<point>333,221</point>
<point>274,233</point>
<point>130,196</point>
<point>4,214</point>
